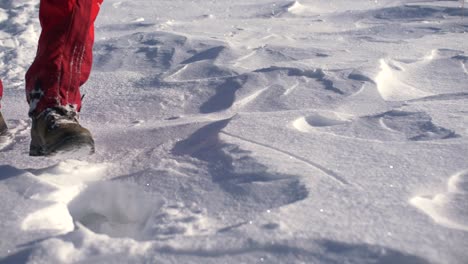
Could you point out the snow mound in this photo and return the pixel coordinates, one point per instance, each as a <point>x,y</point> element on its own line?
<point>261,57</point>
<point>449,208</point>
<point>199,71</point>
<point>391,88</point>
<point>288,88</point>
<point>296,8</point>
<point>293,8</point>
<point>401,80</point>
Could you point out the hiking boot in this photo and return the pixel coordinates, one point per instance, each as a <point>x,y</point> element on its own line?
<point>3,126</point>
<point>5,136</point>
<point>57,131</point>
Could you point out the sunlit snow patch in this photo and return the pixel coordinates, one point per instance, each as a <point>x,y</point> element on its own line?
<point>448,209</point>
<point>297,8</point>
<point>71,172</point>
<point>70,178</point>
<point>54,217</point>
<point>294,8</point>
<point>393,89</point>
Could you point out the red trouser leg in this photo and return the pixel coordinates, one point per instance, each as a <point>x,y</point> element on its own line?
<point>1,92</point>
<point>64,55</point>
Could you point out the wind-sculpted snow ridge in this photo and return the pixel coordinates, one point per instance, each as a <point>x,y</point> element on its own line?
<point>448,208</point>
<point>321,251</point>
<point>402,22</point>
<point>292,8</point>
<point>195,66</point>
<point>399,81</point>
<point>251,183</point>
<point>416,12</point>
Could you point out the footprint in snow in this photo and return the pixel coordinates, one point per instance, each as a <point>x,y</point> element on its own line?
<point>308,123</point>
<point>17,131</point>
<point>393,125</point>
<point>415,126</point>
<point>126,211</point>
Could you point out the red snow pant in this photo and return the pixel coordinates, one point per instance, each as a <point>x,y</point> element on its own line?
<point>64,54</point>
<point>1,92</point>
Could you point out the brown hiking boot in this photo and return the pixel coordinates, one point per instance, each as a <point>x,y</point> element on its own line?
<point>5,136</point>
<point>57,131</point>
<point>3,126</point>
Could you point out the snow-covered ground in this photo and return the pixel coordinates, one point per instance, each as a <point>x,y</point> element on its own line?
<point>310,131</point>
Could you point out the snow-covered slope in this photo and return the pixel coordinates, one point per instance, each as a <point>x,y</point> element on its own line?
<point>308,131</point>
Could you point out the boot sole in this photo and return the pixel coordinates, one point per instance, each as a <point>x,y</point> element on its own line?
<point>69,147</point>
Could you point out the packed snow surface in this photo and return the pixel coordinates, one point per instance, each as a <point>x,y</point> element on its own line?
<point>310,131</point>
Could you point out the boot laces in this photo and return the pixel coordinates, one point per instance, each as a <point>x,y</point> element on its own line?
<point>58,116</point>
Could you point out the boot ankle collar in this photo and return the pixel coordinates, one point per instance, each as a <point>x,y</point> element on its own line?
<point>68,112</point>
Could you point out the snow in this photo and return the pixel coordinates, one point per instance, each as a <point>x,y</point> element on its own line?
<point>263,131</point>
<point>445,208</point>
